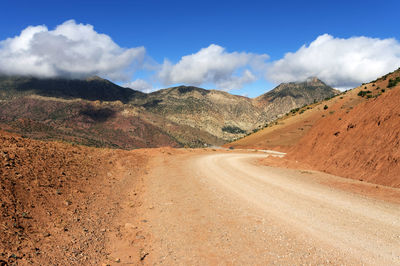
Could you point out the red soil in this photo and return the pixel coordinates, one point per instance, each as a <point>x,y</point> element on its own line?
<point>59,201</point>
<point>363,143</point>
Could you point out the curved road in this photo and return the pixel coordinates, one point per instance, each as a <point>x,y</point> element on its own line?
<point>225,209</point>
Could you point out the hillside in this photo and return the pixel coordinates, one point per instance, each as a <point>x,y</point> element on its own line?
<point>221,114</point>
<point>362,143</point>
<point>291,99</point>
<point>93,112</point>
<point>92,89</point>
<point>96,112</point>
<point>355,134</point>
<point>230,116</point>
<point>58,201</point>
<point>291,95</point>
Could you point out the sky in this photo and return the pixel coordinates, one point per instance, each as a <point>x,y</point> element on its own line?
<point>244,47</point>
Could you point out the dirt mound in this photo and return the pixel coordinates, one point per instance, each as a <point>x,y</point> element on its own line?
<point>57,200</point>
<point>362,143</point>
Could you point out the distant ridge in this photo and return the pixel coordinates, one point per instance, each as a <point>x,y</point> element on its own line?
<point>93,88</point>
<point>308,90</point>
<point>109,115</point>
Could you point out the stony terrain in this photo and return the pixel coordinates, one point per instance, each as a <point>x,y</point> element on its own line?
<point>355,134</point>
<point>363,142</point>
<point>228,116</point>
<point>59,201</point>
<point>99,113</point>
<point>65,204</point>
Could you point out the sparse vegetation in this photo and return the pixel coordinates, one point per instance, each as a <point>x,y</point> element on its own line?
<point>233,130</point>
<point>295,110</point>
<point>363,93</point>
<point>393,82</point>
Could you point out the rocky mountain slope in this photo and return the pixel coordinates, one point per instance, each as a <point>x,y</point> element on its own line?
<point>219,113</point>
<point>100,113</point>
<point>361,143</point>
<point>291,95</point>
<point>355,134</point>
<point>92,112</point>
<point>229,116</point>
<point>60,203</point>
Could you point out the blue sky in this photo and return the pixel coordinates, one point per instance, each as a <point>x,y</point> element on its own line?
<point>250,40</point>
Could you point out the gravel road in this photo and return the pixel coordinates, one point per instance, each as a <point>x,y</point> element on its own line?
<point>224,208</point>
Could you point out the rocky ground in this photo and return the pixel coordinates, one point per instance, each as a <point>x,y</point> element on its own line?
<point>355,134</point>
<point>59,201</point>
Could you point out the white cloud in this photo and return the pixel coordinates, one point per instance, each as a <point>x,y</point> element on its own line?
<point>215,66</point>
<point>70,50</point>
<point>342,63</point>
<point>139,85</point>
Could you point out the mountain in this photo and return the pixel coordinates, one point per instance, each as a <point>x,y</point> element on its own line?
<point>230,116</point>
<point>93,112</point>
<point>362,142</point>
<point>98,112</point>
<point>288,96</point>
<point>355,134</point>
<point>219,113</point>
<point>91,89</point>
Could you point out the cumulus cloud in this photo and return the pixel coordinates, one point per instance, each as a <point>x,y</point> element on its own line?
<point>139,85</point>
<point>70,50</point>
<point>213,65</point>
<point>342,63</point>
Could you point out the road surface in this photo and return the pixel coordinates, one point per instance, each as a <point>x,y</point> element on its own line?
<point>224,208</point>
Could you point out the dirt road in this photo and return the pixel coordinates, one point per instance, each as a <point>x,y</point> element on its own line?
<point>224,208</point>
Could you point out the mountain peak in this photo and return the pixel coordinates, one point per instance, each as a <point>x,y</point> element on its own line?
<point>311,89</point>
<point>314,81</point>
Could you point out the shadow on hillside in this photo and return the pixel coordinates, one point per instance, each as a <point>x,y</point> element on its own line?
<point>98,114</point>
<point>92,90</point>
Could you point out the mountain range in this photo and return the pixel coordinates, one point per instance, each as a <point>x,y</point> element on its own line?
<point>97,112</point>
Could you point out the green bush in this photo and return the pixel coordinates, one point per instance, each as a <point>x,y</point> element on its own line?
<point>325,107</point>
<point>295,110</point>
<point>393,82</point>
<point>233,130</point>
<point>363,93</point>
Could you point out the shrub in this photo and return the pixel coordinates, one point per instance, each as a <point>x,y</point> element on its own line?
<point>325,107</point>
<point>382,90</point>
<point>393,82</point>
<point>233,130</point>
<point>363,93</point>
<point>295,110</point>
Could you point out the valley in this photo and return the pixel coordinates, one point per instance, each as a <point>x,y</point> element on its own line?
<point>199,133</point>
<point>132,179</point>
<point>99,113</point>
